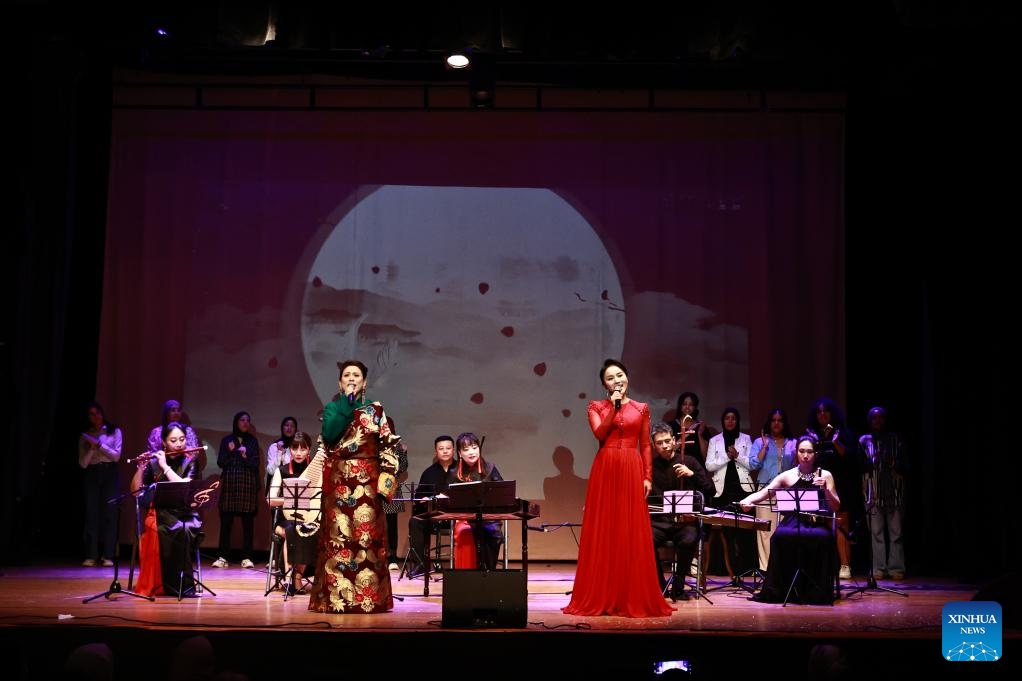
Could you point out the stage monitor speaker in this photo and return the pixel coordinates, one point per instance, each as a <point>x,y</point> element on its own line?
<point>475,599</point>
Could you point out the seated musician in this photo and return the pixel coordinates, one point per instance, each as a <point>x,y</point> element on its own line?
<point>803,542</point>
<point>298,529</point>
<point>673,470</point>
<point>165,546</point>
<point>432,481</point>
<point>473,467</point>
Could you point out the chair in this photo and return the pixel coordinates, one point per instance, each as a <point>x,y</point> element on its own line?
<point>466,557</point>
<point>196,569</point>
<point>275,563</point>
<point>669,564</point>
<point>681,572</point>
<point>439,544</point>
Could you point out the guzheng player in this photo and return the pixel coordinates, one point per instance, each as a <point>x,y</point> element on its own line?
<point>803,555</point>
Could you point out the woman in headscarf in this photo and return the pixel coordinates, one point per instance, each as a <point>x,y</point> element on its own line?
<point>239,460</point>
<point>727,460</point>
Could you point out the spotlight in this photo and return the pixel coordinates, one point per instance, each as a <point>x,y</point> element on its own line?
<point>457,60</point>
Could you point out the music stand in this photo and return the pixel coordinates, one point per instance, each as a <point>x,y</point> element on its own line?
<point>298,497</point>
<point>423,498</point>
<point>678,502</point>
<point>478,496</point>
<point>187,495</point>
<point>799,501</point>
<point>115,585</point>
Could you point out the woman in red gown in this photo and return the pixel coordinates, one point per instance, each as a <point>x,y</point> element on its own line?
<point>616,573</point>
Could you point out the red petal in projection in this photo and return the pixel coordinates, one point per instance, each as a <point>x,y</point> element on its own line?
<point>508,331</point>
<point>316,282</point>
<point>477,398</point>
<point>581,396</point>
<point>604,294</point>
<point>273,362</point>
<point>483,287</point>
<point>376,269</point>
<point>540,368</point>
<point>565,413</point>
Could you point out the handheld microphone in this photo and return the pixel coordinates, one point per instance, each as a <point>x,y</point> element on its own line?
<point>351,398</point>
<point>818,472</point>
<point>617,402</point>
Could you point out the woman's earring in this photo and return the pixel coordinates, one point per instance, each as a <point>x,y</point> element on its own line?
<point>363,397</point>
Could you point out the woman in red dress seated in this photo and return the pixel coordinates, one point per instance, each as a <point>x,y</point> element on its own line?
<point>472,467</point>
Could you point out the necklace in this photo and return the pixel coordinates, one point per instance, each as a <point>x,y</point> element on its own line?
<point>808,477</point>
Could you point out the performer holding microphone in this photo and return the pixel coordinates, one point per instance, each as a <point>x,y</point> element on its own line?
<point>803,541</point>
<point>359,473</point>
<point>615,510</point>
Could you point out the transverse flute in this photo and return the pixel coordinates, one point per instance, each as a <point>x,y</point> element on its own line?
<point>147,456</point>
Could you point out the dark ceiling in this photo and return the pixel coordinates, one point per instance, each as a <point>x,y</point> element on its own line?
<point>796,44</point>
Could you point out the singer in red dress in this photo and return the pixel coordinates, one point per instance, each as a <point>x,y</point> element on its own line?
<point>616,573</point>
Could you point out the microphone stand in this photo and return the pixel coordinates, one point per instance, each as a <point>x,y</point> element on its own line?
<point>115,584</point>
<point>871,582</point>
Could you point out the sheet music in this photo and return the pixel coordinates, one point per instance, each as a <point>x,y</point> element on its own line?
<point>298,493</point>
<point>679,501</point>
<point>801,500</point>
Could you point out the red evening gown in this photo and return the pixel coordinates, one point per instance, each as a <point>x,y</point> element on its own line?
<point>616,573</point>
<point>150,574</point>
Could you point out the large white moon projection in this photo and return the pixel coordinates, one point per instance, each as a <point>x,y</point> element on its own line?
<point>476,309</point>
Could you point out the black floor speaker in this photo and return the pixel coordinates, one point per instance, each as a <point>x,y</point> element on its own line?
<point>475,599</point>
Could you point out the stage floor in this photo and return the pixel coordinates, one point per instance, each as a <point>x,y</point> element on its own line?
<point>43,614</point>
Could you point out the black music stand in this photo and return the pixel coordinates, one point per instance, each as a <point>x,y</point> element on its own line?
<point>193,495</point>
<point>423,497</point>
<point>477,497</point>
<point>799,501</point>
<point>681,502</point>
<point>298,497</point>
<point>115,585</point>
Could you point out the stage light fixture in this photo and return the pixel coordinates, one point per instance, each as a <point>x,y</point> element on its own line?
<point>457,60</point>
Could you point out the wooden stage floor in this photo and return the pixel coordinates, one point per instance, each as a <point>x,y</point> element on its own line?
<point>885,635</point>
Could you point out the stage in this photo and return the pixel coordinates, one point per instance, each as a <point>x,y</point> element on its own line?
<point>885,634</point>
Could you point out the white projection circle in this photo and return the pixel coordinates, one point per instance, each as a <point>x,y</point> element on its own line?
<point>482,309</point>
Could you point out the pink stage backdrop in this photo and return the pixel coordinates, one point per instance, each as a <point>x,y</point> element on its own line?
<point>482,264</point>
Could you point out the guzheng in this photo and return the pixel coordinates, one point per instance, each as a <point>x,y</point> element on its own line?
<point>718,519</point>
<point>440,509</point>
